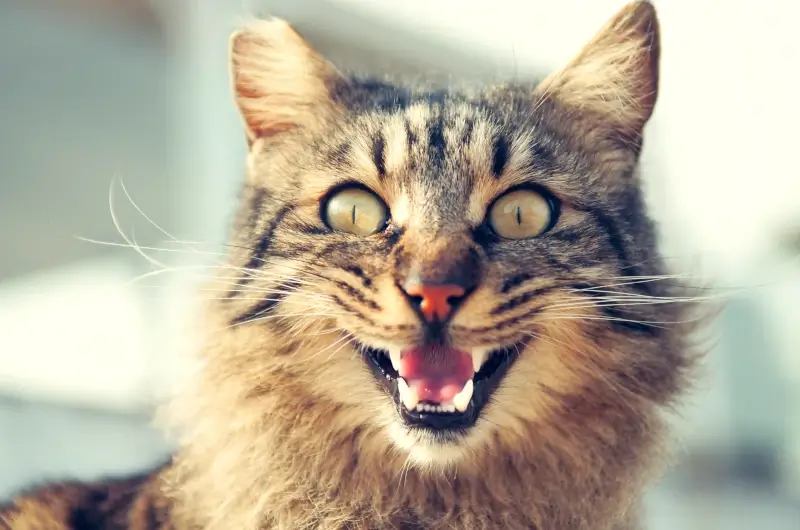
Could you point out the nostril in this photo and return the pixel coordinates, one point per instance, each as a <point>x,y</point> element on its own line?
<point>453,299</point>
<point>416,300</point>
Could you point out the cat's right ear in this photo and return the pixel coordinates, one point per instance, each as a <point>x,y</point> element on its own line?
<point>615,76</point>
<point>279,81</point>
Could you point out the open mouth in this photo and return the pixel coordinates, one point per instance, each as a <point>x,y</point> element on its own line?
<point>437,387</point>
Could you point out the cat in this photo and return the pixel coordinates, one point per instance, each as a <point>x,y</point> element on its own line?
<point>443,309</point>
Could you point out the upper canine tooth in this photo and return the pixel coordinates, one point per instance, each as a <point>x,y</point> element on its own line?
<point>408,395</point>
<point>461,400</point>
<point>479,356</point>
<point>394,355</point>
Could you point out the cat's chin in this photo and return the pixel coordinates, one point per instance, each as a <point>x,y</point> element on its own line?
<point>430,450</point>
<point>436,428</point>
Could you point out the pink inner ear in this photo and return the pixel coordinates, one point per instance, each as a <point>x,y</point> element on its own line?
<point>280,81</point>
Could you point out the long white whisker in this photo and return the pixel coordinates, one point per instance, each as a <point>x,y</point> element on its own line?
<point>146,217</point>
<point>615,302</point>
<point>652,297</point>
<point>129,245</point>
<point>614,319</point>
<point>270,317</point>
<point>124,236</point>
<point>342,341</point>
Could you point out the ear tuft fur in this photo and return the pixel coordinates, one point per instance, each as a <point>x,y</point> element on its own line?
<point>279,81</point>
<point>615,76</point>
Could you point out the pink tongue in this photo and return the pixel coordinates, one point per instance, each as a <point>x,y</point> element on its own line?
<point>437,373</point>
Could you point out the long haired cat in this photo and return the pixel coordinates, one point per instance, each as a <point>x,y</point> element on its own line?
<point>444,309</point>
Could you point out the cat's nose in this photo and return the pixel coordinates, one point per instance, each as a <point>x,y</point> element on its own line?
<point>434,301</point>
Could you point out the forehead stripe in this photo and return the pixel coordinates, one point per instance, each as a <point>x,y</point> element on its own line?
<point>500,152</point>
<point>379,154</point>
<point>436,142</point>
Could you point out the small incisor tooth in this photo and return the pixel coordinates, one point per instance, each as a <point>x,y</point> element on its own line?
<point>461,400</point>
<point>479,357</point>
<point>408,395</point>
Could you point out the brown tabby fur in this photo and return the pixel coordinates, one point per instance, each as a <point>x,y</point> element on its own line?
<point>284,428</point>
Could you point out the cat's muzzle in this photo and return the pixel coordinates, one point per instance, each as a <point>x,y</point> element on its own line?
<point>439,388</point>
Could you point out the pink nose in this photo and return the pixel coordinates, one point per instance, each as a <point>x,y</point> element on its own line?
<point>434,301</point>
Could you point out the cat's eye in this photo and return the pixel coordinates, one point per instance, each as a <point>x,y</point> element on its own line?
<point>521,214</point>
<point>356,211</point>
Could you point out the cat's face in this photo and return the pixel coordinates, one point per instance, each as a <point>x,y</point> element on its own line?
<point>440,266</point>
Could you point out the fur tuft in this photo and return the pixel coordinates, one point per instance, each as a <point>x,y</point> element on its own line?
<point>615,76</point>
<point>278,80</point>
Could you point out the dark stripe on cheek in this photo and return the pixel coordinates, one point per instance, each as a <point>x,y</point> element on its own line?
<point>524,298</point>
<point>332,248</point>
<point>515,281</point>
<point>355,270</point>
<point>565,266</point>
<point>257,259</point>
<point>256,202</point>
<point>311,229</point>
<point>356,295</point>
<point>567,235</point>
<point>608,225</point>
<point>267,306</point>
<point>499,156</point>
<point>379,155</point>
<point>350,309</point>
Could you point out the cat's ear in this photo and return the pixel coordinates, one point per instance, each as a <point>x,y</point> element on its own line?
<point>279,81</point>
<point>615,76</point>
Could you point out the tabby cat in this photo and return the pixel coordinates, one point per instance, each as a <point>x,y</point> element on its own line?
<point>439,309</point>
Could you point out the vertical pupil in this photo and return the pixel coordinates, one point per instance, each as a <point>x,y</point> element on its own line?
<point>519,215</point>
<point>354,214</point>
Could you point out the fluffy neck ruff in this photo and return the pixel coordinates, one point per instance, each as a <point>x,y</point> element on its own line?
<point>260,452</point>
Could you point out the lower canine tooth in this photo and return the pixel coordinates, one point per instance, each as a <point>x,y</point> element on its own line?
<point>461,400</point>
<point>408,395</point>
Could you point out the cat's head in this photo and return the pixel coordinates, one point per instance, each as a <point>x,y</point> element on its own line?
<point>445,269</point>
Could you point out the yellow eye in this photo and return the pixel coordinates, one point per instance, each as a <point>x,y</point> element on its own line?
<point>357,211</point>
<point>520,214</point>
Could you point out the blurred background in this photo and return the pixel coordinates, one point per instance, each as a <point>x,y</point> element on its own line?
<point>132,96</point>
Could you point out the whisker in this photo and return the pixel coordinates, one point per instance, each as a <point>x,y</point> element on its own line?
<point>121,232</point>
<point>616,302</point>
<point>342,341</point>
<point>349,342</point>
<point>615,319</point>
<point>284,315</point>
<point>654,297</point>
<point>146,217</point>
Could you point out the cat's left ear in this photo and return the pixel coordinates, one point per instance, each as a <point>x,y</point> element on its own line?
<point>279,81</point>
<point>615,77</point>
